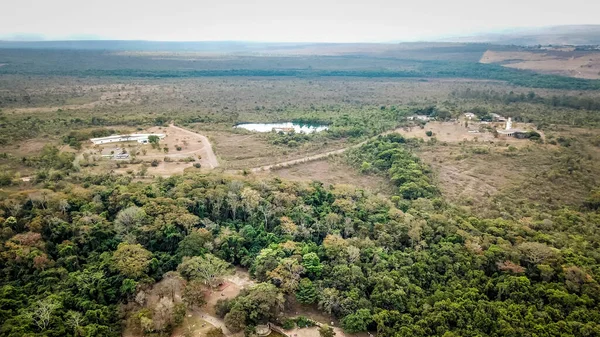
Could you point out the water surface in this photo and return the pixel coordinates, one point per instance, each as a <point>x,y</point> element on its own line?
<point>285,127</point>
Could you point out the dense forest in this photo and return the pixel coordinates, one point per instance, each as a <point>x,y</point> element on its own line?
<point>77,249</point>
<point>417,64</point>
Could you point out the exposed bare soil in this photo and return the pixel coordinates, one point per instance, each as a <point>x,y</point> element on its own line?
<point>562,63</point>
<point>192,146</point>
<point>454,132</point>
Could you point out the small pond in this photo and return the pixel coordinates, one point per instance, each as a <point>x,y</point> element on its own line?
<point>284,127</point>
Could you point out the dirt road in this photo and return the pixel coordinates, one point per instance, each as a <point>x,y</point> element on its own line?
<point>210,154</point>
<point>305,159</point>
<point>213,320</point>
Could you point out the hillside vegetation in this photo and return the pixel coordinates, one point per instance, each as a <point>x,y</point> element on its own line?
<point>472,235</point>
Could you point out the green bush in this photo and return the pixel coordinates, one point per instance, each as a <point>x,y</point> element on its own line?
<point>289,324</point>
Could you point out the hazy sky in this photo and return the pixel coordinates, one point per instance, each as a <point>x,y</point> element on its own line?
<point>281,20</point>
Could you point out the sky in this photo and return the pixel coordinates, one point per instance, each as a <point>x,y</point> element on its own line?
<point>281,20</point>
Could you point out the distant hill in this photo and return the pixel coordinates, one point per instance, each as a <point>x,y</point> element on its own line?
<point>410,50</point>
<point>140,45</point>
<point>555,35</point>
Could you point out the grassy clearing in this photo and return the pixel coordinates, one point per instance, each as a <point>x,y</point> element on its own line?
<point>245,150</point>
<point>489,178</point>
<point>333,170</point>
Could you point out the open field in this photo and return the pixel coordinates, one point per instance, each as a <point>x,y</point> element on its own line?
<point>330,171</point>
<point>246,150</point>
<point>565,62</point>
<point>477,175</point>
<point>457,131</point>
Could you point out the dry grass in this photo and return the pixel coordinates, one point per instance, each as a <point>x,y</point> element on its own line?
<point>472,173</point>
<point>454,132</point>
<point>467,178</point>
<point>245,150</point>
<point>192,325</point>
<point>566,63</point>
<point>332,171</point>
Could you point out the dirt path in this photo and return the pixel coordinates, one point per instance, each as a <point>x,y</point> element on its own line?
<point>320,155</point>
<point>305,159</point>
<point>210,154</point>
<point>214,320</point>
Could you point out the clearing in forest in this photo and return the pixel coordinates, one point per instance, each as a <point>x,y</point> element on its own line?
<point>179,150</point>
<point>332,171</point>
<point>453,132</point>
<point>246,150</point>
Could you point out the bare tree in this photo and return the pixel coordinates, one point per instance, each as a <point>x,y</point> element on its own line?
<point>140,298</point>
<point>267,210</point>
<point>171,284</point>
<point>129,218</point>
<point>42,313</point>
<point>163,313</point>
<point>40,199</point>
<point>353,254</point>
<point>63,206</point>
<point>234,201</point>
<point>250,200</point>
<point>74,320</point>
<point>536,252</point>
<point>14,207</point>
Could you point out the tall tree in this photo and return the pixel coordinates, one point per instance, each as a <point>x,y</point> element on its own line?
<point>131,260</point>
<point>208,269</point>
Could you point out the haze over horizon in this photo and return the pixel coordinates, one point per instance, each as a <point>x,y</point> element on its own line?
<point>279,21</point>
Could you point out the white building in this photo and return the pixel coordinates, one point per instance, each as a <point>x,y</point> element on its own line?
<point>470,115</point>
<point>498,117</point>
<point>135,137</point>
<point>419,118</point>
<point>509,131</point>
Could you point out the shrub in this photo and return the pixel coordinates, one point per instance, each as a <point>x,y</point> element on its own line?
<point>154,163</point>
<point>222,307</point>
<point>215,332</point>
<point>303,322</point>
<point>429,133</point>
<point>289,324</point>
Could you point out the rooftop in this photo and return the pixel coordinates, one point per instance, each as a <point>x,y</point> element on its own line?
<point>505,132</point>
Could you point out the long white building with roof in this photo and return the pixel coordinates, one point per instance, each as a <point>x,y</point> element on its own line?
<point>135,137</point>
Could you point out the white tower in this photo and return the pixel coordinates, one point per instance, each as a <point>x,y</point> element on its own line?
<point>508,124</point>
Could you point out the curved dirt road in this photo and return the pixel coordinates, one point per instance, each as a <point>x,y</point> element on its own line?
<point>210,154</point>
<point>305,159</point>
<point>320,155</point>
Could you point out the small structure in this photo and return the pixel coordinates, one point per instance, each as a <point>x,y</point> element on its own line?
<point>135,137</point>
<point>424,118</point>
<point>263,330</point>
<point>470,115</point>
<point>517,133</point>
<point>497,118</point>
<point>510,132</point>
<point>284,130</point>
